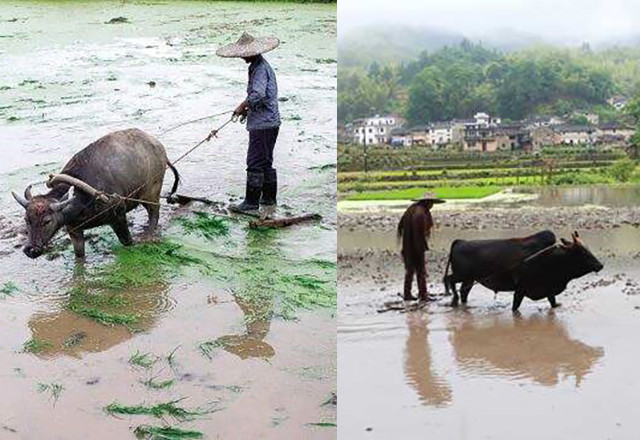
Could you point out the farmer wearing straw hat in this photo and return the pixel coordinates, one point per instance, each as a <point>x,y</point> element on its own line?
<point>263,120</point>
<point>415,229</point>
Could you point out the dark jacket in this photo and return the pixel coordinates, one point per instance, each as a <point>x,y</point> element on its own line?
<point>262,96</point>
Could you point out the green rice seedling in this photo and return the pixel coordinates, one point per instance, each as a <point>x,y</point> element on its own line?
<point>207,348</point>
<point>159,410</point>
<point>323,424</point>
<point>143,360</point>
<point>35,346</point>
<point>153,384</point>
<point>54,389</point>
<point>147,432</point>
<point>9,288</point>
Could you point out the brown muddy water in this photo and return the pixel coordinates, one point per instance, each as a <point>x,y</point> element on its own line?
<point>248,315</point>
<point>479,372</point>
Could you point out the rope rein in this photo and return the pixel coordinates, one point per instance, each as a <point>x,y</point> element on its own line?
<point>526,260</point>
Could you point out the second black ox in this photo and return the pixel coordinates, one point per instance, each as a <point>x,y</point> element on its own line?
<point>533,266</point>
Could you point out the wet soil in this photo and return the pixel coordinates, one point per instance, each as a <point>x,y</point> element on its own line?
<point>251,324</point>
<point>479,371</point>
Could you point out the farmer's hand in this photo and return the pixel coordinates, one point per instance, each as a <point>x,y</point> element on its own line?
<point>241,109</point>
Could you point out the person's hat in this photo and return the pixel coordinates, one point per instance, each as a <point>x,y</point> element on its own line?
<point>248,46</point>
<point>429,197</point>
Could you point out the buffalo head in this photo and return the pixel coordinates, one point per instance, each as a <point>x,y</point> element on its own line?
<point>584,261</point>
<point>44,216</point>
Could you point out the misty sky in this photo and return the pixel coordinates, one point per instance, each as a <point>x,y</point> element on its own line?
<point>569,21</point>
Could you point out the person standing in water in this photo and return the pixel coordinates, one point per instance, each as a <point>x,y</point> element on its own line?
<point>415,229</point>
<point>263,120</point>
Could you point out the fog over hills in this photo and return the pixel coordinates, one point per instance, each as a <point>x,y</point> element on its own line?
<point>401,29</point>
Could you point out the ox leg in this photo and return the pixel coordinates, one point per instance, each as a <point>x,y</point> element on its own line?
<point>121,228</point>
<point>517,300</point>
<point>77,239</point>
<point>552,301</point>
<point>154,216</point>
<point>464,290</point>
<point>454,300</point>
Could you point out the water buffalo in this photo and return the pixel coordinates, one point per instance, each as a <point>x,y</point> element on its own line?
<point>129,163</point>
<point>532,266</point>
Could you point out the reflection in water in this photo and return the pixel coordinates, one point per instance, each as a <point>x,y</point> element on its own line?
<point>589,195</point>
<point>537,347</point>
<point>418,368</point>
<point>254,300</point>
<point>67,333</point>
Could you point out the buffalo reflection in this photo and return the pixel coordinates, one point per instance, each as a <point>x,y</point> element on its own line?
<point>537,347</point>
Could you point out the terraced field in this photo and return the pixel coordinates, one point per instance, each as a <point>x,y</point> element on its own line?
<point>399,173</point>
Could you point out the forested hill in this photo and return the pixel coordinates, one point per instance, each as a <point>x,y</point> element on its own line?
<point>458,80</point>
<point>391,44</point>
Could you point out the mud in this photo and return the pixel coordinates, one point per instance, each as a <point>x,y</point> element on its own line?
<point>479,371</point>
<point>81,70</point>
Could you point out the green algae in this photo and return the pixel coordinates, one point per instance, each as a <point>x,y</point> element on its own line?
<point>207,225</point>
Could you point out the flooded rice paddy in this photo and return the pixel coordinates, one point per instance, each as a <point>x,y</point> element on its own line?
<point>479,371</point>
<point>234,326</point>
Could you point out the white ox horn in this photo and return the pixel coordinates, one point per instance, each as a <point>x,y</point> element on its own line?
<point>77,183</point>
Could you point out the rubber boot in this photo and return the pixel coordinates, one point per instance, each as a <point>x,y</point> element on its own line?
<point>251,202</point>
<point>269,188</point>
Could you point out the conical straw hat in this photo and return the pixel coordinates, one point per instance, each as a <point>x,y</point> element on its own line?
<point>248,46</point>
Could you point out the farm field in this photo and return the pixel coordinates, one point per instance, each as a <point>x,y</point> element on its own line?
<point>403,174</point>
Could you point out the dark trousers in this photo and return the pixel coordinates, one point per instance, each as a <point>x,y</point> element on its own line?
<point>260,153</point>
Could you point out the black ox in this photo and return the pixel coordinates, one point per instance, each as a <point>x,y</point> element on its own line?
<point>533,266</point>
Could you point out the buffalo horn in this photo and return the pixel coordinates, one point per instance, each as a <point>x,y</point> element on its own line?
<point>24,202</point>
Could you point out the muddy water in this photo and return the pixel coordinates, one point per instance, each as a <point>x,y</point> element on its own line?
<point>479,372</point>
<point>68,77</point>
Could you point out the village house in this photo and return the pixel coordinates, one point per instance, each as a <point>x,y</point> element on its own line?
<point>576,134</point>
<point>488,138</point>
<point>618,102</point>
<point>401,138</point>
<point>375,130</point>
<point>543,136</point>
<point>613,133</point>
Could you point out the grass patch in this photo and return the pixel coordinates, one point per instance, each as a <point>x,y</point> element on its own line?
<point>143,360</point>
<point>165,433</point>
<point>460,192</point>
<point>207,225</point>
<point>35,346</point>
<point>54,389</point>
<point>159,410</point>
